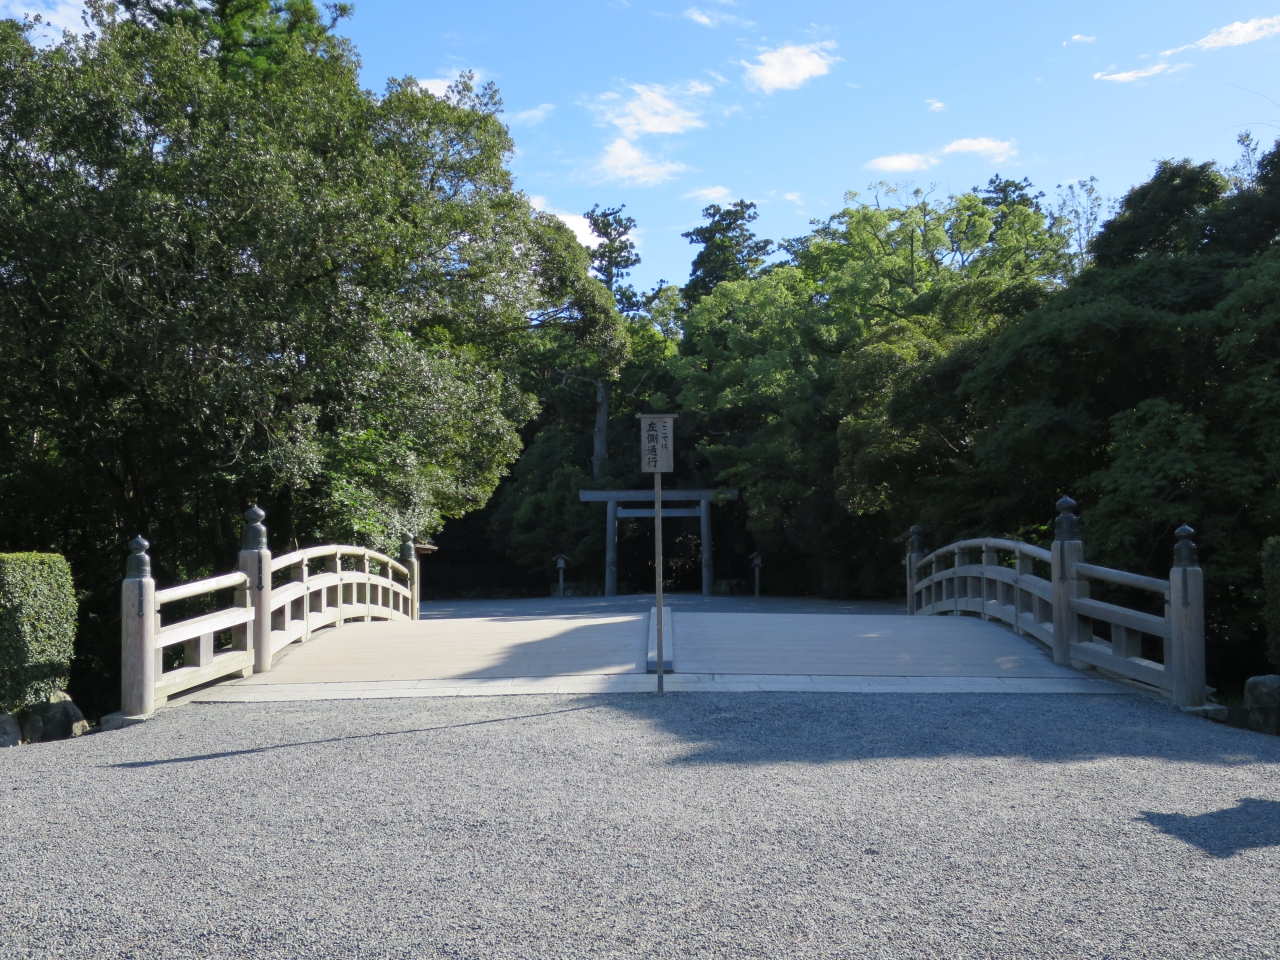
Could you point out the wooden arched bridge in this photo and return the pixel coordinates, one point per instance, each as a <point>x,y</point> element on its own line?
<point>983,615</point>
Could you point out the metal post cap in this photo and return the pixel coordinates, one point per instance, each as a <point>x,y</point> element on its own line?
<point>408,551</point>
<point>1185,553</point>
<point>255,534</point>
<point>1067,524</point>
<point>138,564</point>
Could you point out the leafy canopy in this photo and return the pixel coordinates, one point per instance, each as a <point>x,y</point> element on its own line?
<point>230,275</point>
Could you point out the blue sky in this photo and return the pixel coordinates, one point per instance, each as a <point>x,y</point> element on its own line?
<point>666,106</point>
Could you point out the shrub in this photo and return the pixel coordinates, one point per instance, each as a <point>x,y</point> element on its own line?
<point>37,627</point>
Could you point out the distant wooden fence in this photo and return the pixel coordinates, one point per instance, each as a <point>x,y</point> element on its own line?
<point>1044,594</point>
<point>325,586</point>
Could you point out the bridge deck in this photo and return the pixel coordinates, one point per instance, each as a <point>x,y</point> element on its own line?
<point>601,647</point>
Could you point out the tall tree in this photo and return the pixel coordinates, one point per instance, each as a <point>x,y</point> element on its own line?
<point>611,260</point>
<point>795,376</point>
<point>248,36</point>
<point>614,256</point>
<point>221,286</point>
<point>730,250</point>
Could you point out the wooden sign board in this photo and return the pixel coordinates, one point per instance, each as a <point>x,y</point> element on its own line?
<point>657,442</point>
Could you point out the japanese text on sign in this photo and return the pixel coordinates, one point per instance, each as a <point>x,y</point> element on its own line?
<point>656,454</point>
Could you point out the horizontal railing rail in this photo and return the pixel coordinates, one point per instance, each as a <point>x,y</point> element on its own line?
<point>326,586</point>
<point>997,579</point>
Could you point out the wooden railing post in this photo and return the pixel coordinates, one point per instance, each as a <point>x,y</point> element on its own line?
<point>368,587</point>
<point>1186,623</point>
<point>409,557</point>
<point>1021,566</point>
<point>301,573</point>
<point>989,559</point>
<point>1068,550</point>
<point>139,655</point>
<point>914,556</point>
<point>330,565</point>
<point>255,563</point>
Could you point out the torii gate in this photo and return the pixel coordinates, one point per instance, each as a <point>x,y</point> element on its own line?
<point>612,498</point>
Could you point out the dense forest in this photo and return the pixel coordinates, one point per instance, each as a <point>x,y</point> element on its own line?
<point>229,274</point>
<point>957,362</point>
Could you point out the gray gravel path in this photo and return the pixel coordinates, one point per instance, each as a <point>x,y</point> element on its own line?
<point>700,825</point>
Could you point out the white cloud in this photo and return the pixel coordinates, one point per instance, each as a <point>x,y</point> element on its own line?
<point>793,197</point>
<point>625,161</point>
<point>708,193</point>
<point>902,163</point>
<point>575,222</point>
<point>936,106</point>
<point>57,15</point>
<point>1081,38</point>
<point>653,109</point>
<point>788,67</point>
<point>1233,35</point>
<point>709,18</point>
<point>1128,76</point>
<point>997,150</point>
<point>533,117</point>
<point>436,87</point>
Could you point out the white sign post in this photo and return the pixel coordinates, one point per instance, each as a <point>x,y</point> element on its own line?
<point>657,457</point>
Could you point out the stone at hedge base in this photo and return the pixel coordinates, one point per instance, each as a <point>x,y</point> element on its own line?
<point>1262,703</point>
<point>10,732</point>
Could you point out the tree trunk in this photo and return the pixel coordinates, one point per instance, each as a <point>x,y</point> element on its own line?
<point>600,437</point>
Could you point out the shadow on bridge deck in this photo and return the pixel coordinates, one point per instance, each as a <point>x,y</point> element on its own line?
<point>598,645</point>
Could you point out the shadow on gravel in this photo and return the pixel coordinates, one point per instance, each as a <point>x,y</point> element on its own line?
<point>196,758</point>
<point>813,728</point>
<point>1249,825</point>
<point>738,728</point>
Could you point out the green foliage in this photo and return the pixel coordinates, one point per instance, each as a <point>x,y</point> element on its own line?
<point>250,37</point>
<point>730,250</point>
<point>536,514</point>
<point>37,627</point>
<point>615,255</point>
<point>1148,390</point>
<point>823,381</point>
<point>221,284</point>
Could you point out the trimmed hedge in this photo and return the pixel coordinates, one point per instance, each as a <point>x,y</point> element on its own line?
<point>37,627</point>
<point>1271,582</point>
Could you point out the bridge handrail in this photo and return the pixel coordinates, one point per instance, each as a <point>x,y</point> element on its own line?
<point>263,618</point>
<point>992,543</point>
<point>197,588</point>
<point>1135,580</point>
<point>1059,612</point>
<point>339,550</point>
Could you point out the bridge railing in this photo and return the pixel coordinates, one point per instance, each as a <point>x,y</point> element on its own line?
<point>1045,595</point>
<point>274,601</point>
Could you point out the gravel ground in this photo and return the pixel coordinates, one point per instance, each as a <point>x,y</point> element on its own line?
<point>698,825</point>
